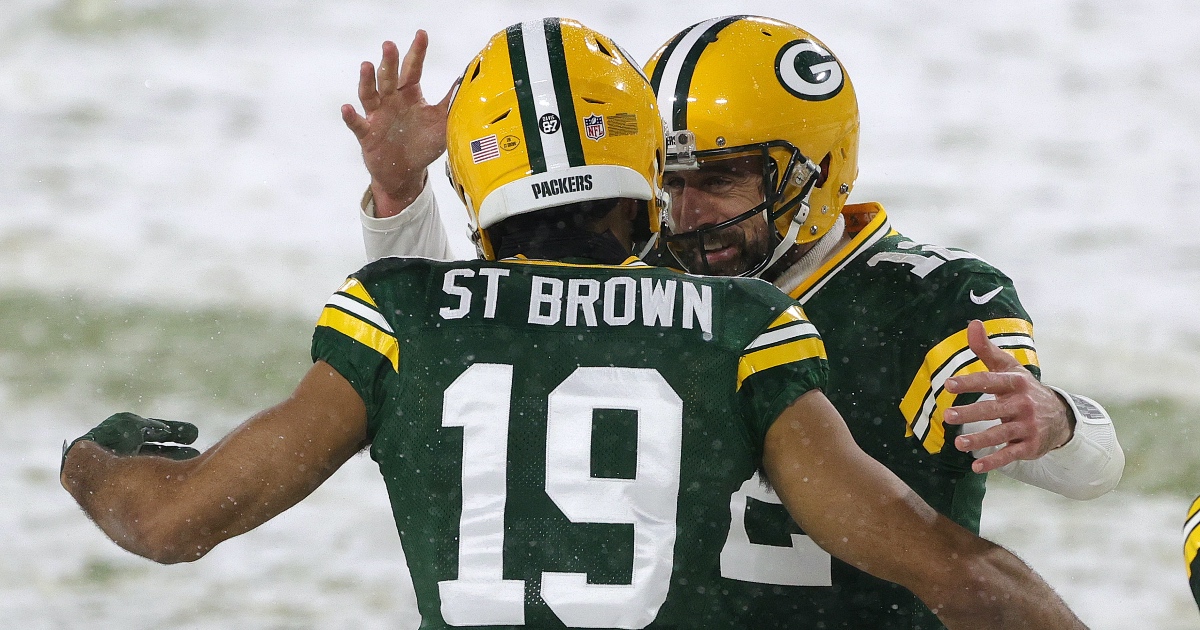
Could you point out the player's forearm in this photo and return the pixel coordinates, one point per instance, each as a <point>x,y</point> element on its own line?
<point>996,590</point>
<point>177,511</point>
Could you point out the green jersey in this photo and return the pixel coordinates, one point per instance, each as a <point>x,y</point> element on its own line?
<point>560,442</point>
<point>1191,548</point>
<point>893,314</point>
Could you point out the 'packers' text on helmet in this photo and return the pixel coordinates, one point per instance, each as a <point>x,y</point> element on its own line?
<point>744,85</point>
<point>552,113</point>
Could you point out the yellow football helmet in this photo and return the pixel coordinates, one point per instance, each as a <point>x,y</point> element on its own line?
<point>745,85</point>
<point>553,113</point>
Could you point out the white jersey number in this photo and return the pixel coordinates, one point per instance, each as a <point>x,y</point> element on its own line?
<point>479,401</point>
<point>802,564</point>
<point>928,258</point>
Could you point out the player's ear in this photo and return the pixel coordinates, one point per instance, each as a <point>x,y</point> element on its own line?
<point>628,209</point>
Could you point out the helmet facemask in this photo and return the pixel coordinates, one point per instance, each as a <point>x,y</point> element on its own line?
<point>756,247</point>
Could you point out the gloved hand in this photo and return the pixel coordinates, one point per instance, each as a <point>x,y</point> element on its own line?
<point>130,434</point>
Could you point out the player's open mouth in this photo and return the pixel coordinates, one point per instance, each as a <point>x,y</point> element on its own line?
<point>719,252</point>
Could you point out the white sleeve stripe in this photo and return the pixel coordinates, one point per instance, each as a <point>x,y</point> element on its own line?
<point>669,81</point>
<point>772,337</point>
<point>1191,525</point>
<point>360,310</point>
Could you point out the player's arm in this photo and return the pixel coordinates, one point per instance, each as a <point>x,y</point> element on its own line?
<point>1031,432</point>
<point>176,511</point>
<point>1191,548</point>
<point>859,511</point>
<point>400,136</point>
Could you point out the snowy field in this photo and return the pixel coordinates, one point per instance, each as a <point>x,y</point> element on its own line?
<point>178,198</point>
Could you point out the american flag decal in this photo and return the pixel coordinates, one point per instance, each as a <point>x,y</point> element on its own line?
<point>622,124</point>
<point>484,149</point>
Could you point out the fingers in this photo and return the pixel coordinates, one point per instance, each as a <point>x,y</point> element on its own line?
<point>153,430</point>
<point>982,410</point>
<point>986,382</point>
<point>367,94</point>
<point>1015,447</point>
<point>999,459</point>
<point>992,356</point>
<point>354,122</point>
<point>170,452</point>
<point>386,77</point>
<point>414,60</point>
<point>997,435</point>
<point>182,432</point>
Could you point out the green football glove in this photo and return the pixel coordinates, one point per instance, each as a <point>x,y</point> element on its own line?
<point>130,434</point>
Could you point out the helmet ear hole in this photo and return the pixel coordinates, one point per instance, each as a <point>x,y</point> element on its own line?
<point>600,45</point>
<point>824,175</point>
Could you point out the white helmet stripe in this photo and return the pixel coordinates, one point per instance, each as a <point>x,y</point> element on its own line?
<point>677,67</point>
<point>545,97</point>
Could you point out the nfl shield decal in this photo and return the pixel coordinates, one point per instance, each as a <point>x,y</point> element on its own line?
<point>593,126</point>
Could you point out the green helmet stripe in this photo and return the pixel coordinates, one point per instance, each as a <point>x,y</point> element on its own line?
<point>673,76</point>
<point>562,89</point>
<point>525,104</point>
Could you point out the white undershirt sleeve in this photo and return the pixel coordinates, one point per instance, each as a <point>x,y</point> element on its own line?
<point>1089,465</point>
<point>416,231</point>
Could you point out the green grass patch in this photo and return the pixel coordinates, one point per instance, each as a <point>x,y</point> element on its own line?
<point>133,355</point>
<point>1161,438</point>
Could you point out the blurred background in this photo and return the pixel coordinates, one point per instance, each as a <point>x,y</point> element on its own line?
<point>178,198</point>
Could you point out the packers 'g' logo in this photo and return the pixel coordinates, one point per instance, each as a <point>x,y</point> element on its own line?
<point>808,71</point>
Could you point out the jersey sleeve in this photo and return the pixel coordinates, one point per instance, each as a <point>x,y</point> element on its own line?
<point>781,364</point>
<point>961,296</point>
<point>354,338</point>
<point>416,231</point>
<point>1191,548</point>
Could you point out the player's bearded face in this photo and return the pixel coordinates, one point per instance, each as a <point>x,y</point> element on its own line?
<point>712,230</point>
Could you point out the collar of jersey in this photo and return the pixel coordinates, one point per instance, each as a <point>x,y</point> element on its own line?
<point>632,261</point>
<point>878,228</point>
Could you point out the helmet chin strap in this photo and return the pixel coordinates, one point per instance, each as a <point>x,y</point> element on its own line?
<point>813,258</point>
<point>806,175</point>
<point>789,239</point>
<point>645,250</point>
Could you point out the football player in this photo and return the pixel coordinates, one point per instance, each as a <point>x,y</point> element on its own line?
<point>1191,548</point>
<point>560,427</point>
<point>762,156</point>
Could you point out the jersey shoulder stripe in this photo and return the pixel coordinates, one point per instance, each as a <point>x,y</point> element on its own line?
<point>352,312</point>
<point>632,261</point>
<point>878,228</point>
<point>790,338</point>
<point>1191,536</point>
<point>926,398</point>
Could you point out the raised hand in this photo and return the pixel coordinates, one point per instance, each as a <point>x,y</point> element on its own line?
<point>400,134</point>
<point>1033,419</point>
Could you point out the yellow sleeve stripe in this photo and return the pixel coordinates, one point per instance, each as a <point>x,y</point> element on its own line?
<point>1191,536</point>
<point>791,315</point>
<point>926,400</point>
<point>792,352</point>
<point>355,288</point>
<point>955,343</point>
<point>362,332</point>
